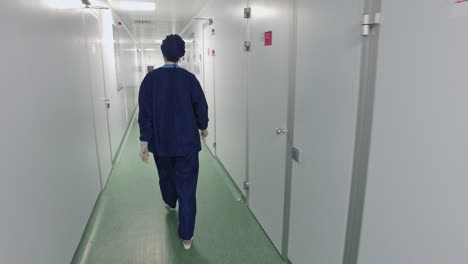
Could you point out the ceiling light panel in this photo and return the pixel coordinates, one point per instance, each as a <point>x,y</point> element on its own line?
<point>137,6</point>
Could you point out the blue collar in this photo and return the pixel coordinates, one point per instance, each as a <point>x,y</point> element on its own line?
<point>171,65</point>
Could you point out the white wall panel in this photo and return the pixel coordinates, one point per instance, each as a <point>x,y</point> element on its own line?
<point>117,111</point>
<point>122,101</point>
<point>194,54</point>
<point>209,70</point>
<point>230,83</point>
<point>231,88</point>
<point>329,47</point>
<point>49,174</point>
<point>92,20</point>
<point>416,201</point>
<point>153,58</point>
<point>129,70</point>
<point>49,177</point>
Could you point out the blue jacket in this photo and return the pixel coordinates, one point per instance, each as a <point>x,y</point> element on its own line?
<point>173,109</point>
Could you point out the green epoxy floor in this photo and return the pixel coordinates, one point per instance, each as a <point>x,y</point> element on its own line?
<point>131,225</point>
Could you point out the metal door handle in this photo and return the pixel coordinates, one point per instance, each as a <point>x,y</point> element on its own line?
<point>280,131</point>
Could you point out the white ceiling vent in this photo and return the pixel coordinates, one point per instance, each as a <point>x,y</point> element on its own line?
<point>142,22</point>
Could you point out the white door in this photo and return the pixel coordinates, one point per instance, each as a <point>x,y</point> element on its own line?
<point>209,86</point>
<point>416,198</point>
<point>267,113</point>
<point>329,47</point>
<point>96,79</point>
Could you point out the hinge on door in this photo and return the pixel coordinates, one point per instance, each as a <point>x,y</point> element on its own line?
<point>246,45</point>
<point>369,21</point>
<point>246,185</point>
<point>247,12</point>
<point>107,101</point>
<point>214,145</point>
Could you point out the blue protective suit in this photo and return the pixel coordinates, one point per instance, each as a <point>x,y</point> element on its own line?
<point>173,109</point>
<point>178,177</point>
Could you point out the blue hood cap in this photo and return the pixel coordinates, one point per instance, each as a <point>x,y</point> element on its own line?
<point>173,48</point>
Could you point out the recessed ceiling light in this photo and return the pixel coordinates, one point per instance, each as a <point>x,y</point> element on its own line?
<point>64,4</point>
<point>160,41</point>
<point>137,6</point>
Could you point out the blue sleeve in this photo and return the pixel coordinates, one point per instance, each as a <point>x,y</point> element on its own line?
<point>200,106</point>
<point>145,116</point>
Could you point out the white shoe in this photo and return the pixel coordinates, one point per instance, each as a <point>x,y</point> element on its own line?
<point>187,243</point>
<point>170,208</point>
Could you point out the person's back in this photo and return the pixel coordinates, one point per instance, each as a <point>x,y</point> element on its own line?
<point>178,110</point>
<point>172,110</point>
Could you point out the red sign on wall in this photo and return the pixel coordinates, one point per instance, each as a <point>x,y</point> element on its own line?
<point>268,38</point>
<point>209,52</point>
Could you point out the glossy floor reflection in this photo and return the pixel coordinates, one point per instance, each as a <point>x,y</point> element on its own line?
<point>131,225</point>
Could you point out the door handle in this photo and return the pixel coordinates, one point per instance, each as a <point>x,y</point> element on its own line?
<point>280,131</point>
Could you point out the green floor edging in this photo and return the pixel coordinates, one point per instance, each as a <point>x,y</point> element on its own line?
<point>237,193</point>
<point>86,238</point>
<point>125,137</point>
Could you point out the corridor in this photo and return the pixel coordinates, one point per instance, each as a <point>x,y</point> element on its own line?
<point>334,131</point>
<point>130,224</point>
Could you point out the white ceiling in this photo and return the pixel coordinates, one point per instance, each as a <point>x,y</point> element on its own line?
<point>171,16</point>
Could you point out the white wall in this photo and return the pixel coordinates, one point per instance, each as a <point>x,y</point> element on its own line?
<point>194,53</point>
<point>49,176</point>
<point>129,70</point>
<point>123,102</point>
<point>230,83</point>
<point>153,58</point>
<point>415,208</point>
<point>416,201</point>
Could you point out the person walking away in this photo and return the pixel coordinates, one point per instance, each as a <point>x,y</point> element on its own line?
<point>173,110</point>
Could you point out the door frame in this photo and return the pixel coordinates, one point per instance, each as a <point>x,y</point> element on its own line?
<point>363,133</point>
<point>107,99</point>
<point>97,14</point>
<point>290,125</point>
<point>206,26</point>
<point>247,119</point>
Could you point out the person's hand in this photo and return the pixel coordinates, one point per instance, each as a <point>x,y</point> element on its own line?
<point>144,154</point>
<point>204,134</point>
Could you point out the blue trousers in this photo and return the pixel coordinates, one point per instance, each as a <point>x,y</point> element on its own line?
<point>178,177</point>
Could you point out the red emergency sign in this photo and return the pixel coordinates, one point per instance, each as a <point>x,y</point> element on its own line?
<point>268,38</point>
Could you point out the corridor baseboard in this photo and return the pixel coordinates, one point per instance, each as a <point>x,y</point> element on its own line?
<point>125,138</point>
